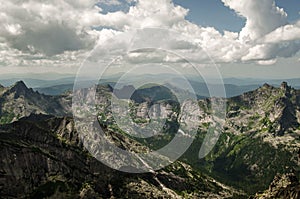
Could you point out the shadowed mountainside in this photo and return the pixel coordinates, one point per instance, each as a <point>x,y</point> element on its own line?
<point>42,156</point>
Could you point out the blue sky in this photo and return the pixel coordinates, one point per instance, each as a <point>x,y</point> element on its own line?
<point>214,13</point>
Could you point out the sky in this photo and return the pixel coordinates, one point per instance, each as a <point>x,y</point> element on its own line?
<point>257,39</point>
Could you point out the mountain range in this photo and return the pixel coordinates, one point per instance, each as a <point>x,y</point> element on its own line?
<point>59,84</point>
<point>43,155</point>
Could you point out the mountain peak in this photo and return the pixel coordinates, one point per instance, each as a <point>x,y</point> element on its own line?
<point>285,86</point>
<point>20,84</point>
<point>266,85</point>
<point>19,88</point>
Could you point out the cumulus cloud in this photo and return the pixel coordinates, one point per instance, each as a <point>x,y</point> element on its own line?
<point>288,32</point>
<point>155,13</point>
<point>262,17</point>
<point>43,26</point>
<point>267,34</point>
<point>64,31</point>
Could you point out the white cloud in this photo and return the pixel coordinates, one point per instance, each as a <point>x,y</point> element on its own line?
<point>267,62</point>
<point>251,43</point>
<point>62,32</point>
<point>47,27</point>
<point>13,29</point>
<point>262,17</point>
<point>155,13</point>
<point>110,2</point>
<point>288,32</point>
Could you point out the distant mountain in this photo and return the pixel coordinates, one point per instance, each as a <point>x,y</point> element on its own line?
<point>55,90</point>
<point>58,84</point>
<point>200,89</point>
<point>32,83</point>
<point>230,89</point>
<point>294,82</point>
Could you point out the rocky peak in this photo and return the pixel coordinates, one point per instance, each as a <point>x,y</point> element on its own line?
<point>19,88</point>
<point>2,89</point>
<point>268,86</point>
<point>20,84</point>
<point>288,118</point>
<point>284,86</point>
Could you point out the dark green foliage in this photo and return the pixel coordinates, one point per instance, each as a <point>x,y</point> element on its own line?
<point>244,162</point>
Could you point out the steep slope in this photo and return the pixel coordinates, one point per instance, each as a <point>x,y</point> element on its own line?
<point>18,101</point>
<point>42,156</point>
<point>261,138</point>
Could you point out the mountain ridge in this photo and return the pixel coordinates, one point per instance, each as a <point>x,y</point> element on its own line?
<point>259,139</point>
